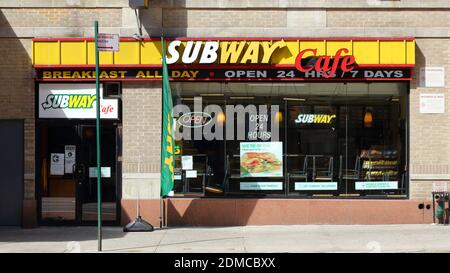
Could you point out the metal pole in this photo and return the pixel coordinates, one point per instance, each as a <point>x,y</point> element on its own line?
<point>97,122</point>
<point>161,212</point>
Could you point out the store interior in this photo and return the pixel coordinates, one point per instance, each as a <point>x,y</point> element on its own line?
<point>311,140</point>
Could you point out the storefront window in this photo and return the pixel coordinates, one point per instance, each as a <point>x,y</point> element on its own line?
<point>322,140</point>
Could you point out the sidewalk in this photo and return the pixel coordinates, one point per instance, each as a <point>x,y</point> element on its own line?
<point>308,238</point>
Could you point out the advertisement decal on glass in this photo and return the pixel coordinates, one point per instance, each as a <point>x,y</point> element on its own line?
<point>177,177</point>
<point>376,185</point>
<point>261,159</point>
<point>314,119</point>
<point>105,172</point>
<point>310,186</point>
<point>253,186</point>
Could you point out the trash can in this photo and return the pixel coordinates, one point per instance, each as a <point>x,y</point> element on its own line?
<point>441,204</point>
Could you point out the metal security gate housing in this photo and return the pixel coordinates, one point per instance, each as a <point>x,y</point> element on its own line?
<point>11,172</point>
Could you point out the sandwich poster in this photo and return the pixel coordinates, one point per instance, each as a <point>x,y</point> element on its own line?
<point>261,159</point>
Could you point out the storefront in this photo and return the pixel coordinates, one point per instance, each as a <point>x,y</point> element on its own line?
<point>66,154</point>
<point>325,140</point>
<point>282,120</point>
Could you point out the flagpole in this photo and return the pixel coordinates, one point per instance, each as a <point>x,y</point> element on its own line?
<point>161,213</point>
<point>167,138</point>
<point>162,128</point>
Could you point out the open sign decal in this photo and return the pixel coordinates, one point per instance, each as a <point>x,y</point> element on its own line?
<point>194,119</point>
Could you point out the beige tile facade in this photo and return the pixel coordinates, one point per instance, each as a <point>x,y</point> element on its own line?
<point>429,133</point>
<point>427,21</point>
<point>141,140</point>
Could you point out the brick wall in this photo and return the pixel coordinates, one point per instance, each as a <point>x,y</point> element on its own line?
<point>208,18</point>
<point>429,133</point>
<point>141,139</point>
<point>388,18</point>
<point>17,97</point>
<point>61,17</point>
<point>223,18</point>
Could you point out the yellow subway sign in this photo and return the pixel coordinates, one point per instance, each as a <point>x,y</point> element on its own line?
<point>224,51</point>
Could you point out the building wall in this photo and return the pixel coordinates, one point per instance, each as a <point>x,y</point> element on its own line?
<point>141,120</point>
<point>21,20</point>
<point>430,145</point>
<point>17,100</point>
<point>141,156</point>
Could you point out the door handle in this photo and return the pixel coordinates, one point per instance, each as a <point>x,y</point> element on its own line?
<point>79,172</point>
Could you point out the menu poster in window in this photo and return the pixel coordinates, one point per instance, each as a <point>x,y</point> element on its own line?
<point>432,103</point>
<point>69,158</point>
<point>56,164</point>
<point>261,159</point>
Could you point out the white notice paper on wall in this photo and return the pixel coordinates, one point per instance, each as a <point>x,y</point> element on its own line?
<point>440,186</point>
<point>432,77</point>
<point>187,163</point>
<point>69,158</point>
<point>56,164</point>
<point>432,103</point>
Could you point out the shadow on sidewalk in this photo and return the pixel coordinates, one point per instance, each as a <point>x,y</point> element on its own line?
<point>57,234</point>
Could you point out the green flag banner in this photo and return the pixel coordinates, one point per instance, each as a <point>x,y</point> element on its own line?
<point>167,141</point>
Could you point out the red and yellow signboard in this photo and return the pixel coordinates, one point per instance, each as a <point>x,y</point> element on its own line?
<point>229,59</point>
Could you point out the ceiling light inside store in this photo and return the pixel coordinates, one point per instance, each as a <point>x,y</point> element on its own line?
<point>221,117</point>
<point>242,98</point>
<point>368,118</point>
<point>294,99</point>
<point>279,117</point>
<point>212,95</point>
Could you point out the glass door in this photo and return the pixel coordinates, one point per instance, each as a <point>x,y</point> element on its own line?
<point>87,181</point>
<point>312,136</point>
<point>67,172</point>
<point>57,191</point>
